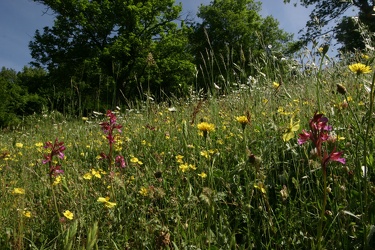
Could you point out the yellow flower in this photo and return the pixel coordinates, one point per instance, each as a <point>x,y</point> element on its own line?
<point>106,202</point>
<point>360,68</point>
<point>85,118</point>
<point>96,173</point>
<point>205,154</point>
<point>57,180</point>
<point>87,176</point>
<point>102,199</point>
<point>260,186</point>
<point>206,127</point>
<point>184,167</point>
<point>136,160</point>
<point>38,144</point>
<point>364,56</point>
<point>26,214</point>
<point>202,175</point>
<point>275,85</point>
<point>19,145</point>
<point>69,215</point>
<point>109,204</point>
<point>18,191</point>
<point>293,127</point>
<point>143,191</point>
<point>179,158</point>
<point>242,119</point>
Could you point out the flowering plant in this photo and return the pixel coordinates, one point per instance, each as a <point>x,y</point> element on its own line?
<point>108,128</point>
<point>57,148</point>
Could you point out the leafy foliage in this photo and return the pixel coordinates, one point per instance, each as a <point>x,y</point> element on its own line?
<point>16,102</point>
<point>107,42</point>
<point>232,36</point>
<point>345,29</point>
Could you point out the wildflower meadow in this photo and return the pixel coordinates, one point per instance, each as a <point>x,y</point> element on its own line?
<point>267,164</point>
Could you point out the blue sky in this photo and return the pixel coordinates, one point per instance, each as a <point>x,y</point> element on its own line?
<point>20,18</point>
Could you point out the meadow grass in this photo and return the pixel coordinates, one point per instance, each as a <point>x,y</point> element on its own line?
<point>244,183</point>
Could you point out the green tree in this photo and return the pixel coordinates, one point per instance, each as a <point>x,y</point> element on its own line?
<point>232,36</point>
<point>99,48</point>
<point>346,29</point>
<point>16,102</point>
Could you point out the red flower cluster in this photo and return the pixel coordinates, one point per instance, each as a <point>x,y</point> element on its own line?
<point>111,125</point>
<point>57,149</point>
<point>108,129</point>
<point>319,133</point>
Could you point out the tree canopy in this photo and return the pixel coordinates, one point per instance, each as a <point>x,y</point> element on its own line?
<point>330,18</point>
<point>234,33</point>
<point>109,41</point>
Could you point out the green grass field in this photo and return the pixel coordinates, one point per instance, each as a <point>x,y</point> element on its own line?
<point>219,172</point>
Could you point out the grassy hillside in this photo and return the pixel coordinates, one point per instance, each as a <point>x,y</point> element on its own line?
<point>258,168</point>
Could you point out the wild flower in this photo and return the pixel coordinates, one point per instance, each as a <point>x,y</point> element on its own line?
<point>289,133</point>
<point>360,68</point>
<point>275,85</point>
<point>206,127</point>
<point>179,158</point>
<point>106,202</point>
<point>18,191</point>
<point>319,133</point>
<point>108,128</point>
<point>136,160</point>
<point>69,215</point>
<point>87,176</point>
<point>26,213</point>
<point>55,149</point>
<point>203,175</point>
<point>243,120</point>
<point>143,191</point>
<point>120,161</point>
<point>57,180</point>
<point>19,145</point>
<point>184,167</point>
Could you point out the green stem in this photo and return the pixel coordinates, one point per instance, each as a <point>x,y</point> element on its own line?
<point>322,213</point>
<point>365,140</point>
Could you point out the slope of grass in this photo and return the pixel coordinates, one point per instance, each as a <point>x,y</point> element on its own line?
<point>239,186</point>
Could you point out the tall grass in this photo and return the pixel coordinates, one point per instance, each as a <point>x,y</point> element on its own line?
<point>238,187</point>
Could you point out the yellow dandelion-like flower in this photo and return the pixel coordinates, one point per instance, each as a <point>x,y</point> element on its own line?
<point>242,119</point>
<point>206,127</point>
<point>193,167</point>
<point>38,144</point>
<point>143,191</point>
<point>202,175</point>
<point>19,145</point>
<point>69,215</point>
<point>18,191</point>
<point>360,68</point>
